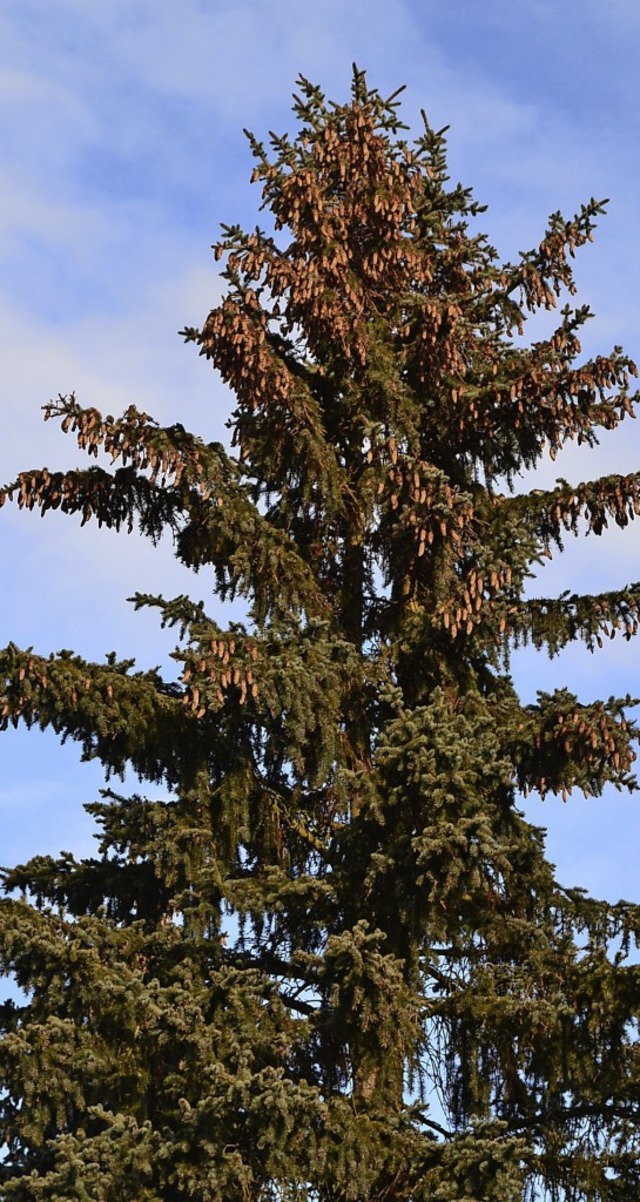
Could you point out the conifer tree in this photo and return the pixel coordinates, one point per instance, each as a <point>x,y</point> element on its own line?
<point>336,964</point>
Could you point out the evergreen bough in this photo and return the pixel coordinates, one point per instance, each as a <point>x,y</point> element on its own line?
<point>336,964</point>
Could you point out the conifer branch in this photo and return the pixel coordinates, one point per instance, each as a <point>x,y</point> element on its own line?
<point>561,745</point>
<point>587,506</point>
<point>113,500</point>
<point>552,623</point>
<point>102,707</point>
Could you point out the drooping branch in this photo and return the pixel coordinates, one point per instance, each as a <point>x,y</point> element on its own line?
<point>554,622</point>
<point>169,454</point>
<point>560,744</point>
<point>114,500</point>
<point>586,507</point>
<point>192,492</point>
<point>117,717</point>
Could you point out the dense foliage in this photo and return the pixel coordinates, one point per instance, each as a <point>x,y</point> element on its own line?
<point>336,964</point>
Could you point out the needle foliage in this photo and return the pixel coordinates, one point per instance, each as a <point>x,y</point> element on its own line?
<point>336,964</point>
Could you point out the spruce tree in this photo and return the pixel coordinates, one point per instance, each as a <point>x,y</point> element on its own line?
<point>336,963</point>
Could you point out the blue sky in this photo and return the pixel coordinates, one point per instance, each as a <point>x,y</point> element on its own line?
<point>121,150</point>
